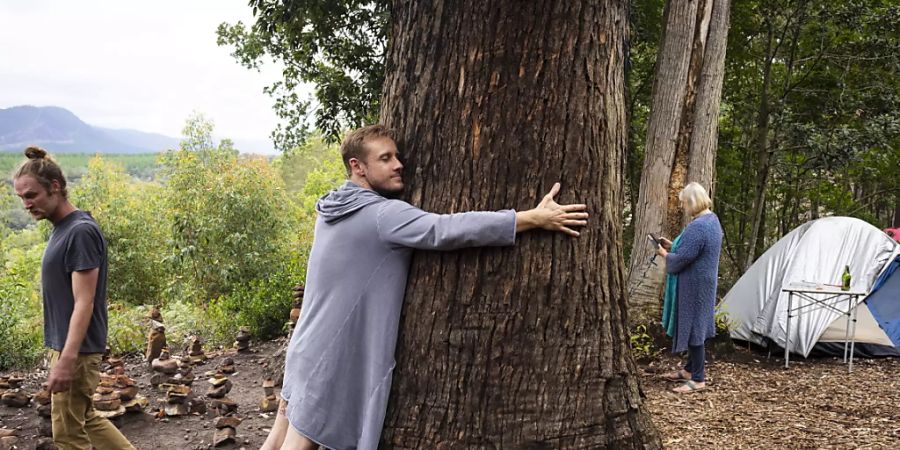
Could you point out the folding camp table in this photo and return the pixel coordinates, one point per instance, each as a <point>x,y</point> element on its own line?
<point>818,297</point>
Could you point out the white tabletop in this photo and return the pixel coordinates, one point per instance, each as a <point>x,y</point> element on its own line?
<point>818,288</point>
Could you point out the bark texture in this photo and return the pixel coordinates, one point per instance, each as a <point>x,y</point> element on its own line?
<point>526,346</point>
<point>682,135</point>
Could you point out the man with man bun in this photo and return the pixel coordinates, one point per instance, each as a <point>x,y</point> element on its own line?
<point>73,285</point>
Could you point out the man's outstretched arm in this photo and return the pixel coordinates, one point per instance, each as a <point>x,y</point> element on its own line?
<point>552,216</point>
<point>405,225</point>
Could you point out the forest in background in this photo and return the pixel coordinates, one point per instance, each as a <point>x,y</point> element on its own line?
<point>808,118</point>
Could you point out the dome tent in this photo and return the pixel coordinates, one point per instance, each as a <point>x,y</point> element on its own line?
<point>817,252</point>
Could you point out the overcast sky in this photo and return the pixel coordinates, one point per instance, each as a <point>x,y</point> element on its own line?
<point>144,65</point>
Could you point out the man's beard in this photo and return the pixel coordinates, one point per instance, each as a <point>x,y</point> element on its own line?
<point>388,193</point>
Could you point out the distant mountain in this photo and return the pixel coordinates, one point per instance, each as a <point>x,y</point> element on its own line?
<point>60,131</point>
<point>155,142</point>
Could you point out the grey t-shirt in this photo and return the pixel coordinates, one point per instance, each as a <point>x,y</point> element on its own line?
<point>76,244</point>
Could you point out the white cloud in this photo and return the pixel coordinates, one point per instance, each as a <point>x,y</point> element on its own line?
<point>144,65</point>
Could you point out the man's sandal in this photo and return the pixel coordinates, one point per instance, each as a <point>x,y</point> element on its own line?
<point>679,375</point>
<point>688,386</point>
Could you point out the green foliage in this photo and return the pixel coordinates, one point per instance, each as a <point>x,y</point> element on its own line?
<point>337,46</point>
<point>327,175</point>
<point>315,153</point>
<point>126,334</point>
<point>185,318</point>
<point>263,306</point>
<point>724,324</point>
<point>229,218</point>
<point>642,345</point>
<point>133,218</point>
<point>75,165</point>
<point>20,302</point>
<point>216,242</point>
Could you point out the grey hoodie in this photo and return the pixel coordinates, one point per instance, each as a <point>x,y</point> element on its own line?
<point>341,356</point>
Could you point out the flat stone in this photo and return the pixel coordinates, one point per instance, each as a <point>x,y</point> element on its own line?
<point>128,393</point>
<point>108,405</point>
<point>15,398</point>
<point>42,397</point>
<point>269,404</point>
<point>109,414</point>
<point>179,409</point>
<point>223,437</point>
<point>8,442</point>
<point>227,421</point>
<point>137,404</point>
<point>197,406</point>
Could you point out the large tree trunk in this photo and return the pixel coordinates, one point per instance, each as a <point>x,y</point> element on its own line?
<point>682,136</point>
<point>527,346</point>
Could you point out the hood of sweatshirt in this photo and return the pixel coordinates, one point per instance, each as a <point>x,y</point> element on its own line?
<point>342,202</point>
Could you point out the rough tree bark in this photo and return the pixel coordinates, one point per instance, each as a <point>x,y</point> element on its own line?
<point>526,346</point>
<point>682,135</point>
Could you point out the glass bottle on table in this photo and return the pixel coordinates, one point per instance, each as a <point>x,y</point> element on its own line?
<point>845,279</point>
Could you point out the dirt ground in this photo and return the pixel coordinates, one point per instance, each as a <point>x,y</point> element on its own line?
<point>751,403</point>
<point>190,432</point>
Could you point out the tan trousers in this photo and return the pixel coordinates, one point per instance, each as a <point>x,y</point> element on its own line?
<point>76,426</point>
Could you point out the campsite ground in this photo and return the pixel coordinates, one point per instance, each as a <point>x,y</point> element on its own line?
<point>754,402</point>
<point>751,402</point>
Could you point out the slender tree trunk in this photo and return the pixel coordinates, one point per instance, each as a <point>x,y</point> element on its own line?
<point>681,137</point>
<point>526,346</point>
<point>896,222</point>
<point>761,145</point>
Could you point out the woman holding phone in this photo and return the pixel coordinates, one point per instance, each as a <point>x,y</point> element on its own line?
<point>692,266</point>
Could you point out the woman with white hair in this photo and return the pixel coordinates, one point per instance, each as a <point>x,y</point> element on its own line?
<point>692,266</point>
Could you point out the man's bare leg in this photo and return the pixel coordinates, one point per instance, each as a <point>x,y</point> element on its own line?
<point>276,437</point>
<point>296,441</point>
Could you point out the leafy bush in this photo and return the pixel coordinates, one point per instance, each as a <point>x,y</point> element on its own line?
<point>184,318</point>
<point>20,304</point>
<point>642,345</point>
<point>724,324</point>
<point>231,217</point>
<point>127,334</point>
<point>135,222</point>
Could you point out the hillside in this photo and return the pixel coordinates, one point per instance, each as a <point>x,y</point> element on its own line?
<point>60,131</point>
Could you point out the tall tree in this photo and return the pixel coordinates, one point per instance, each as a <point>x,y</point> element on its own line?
<point>811,127</point>
<point>682,135</point>
<point>523,347</point>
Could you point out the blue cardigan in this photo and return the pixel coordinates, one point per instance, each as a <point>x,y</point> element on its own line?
<point>696,262</point>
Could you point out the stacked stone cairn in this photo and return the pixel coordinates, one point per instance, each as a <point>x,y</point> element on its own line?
<point>42,398</point>
<point>269,403</point>
<point>178,398</point>
<point>115,365</point>
<point>165,367</point>
<point>227,366</point>
<point>117,383</point>
<point>185,374</point>
<point>295,307</point>
<point>242,340</point>
<point>218,391</point>
<point>226,430</point>
<point>108,402</point>
<point>156,340</point>
<point>195,351</point>
<point>11,394</point>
